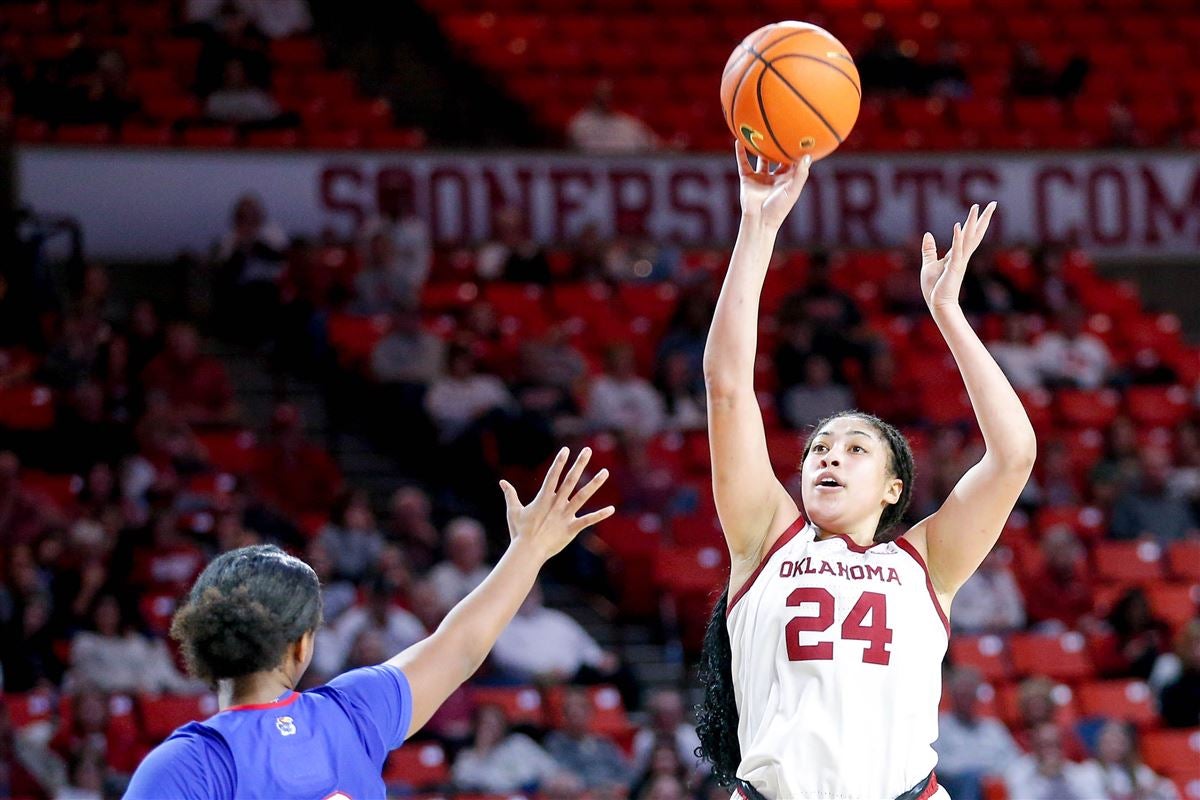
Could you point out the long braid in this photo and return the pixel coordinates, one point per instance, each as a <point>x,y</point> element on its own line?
<point>717,715</point>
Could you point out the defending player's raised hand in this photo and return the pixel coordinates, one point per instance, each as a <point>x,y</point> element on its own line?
<point>769,196</point>
<point>549,521</point>
<point>941,278</point>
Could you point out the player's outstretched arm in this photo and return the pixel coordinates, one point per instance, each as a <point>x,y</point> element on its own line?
<point>438,665</point>
<point>751,501</point>
<point>965,528</point>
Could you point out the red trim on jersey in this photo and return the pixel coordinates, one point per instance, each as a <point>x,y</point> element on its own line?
<point>930,789</point>
<point>291,698</point>
<point>783,539</point>
<point>850,543</point>
<point>907,547</point>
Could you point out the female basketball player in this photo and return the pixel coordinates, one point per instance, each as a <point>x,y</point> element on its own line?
<point>248,627</point>
<point>822,661</point>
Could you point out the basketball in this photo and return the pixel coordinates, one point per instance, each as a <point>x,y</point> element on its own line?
<point>790,89</point>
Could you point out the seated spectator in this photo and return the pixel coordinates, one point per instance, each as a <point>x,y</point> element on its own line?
<point>687,335</point>
<point>1121,767</point>
<point>1054,482</point>
<point>410,525</point>
<point>170,561</point>
<point>278,19</point>
<point>28,657</point>
<point>595,758</point>
<point>882,63</point>
<point>512,254</point>
<point>237,101</point>
<point>817,397</point>
<point>1147,510</point>
<point>113,657</point>
<point>85,779</point>
<point>622,401</point>
<point>667,724</point>
<point>145,334</point>
<point>1070,356</point>
<point>1030,77</point>
<point>196,384</point>
<point>250,259</point>
<point>465,566</point>
<point>1016,355</point>
<point>408,354</point>
<point>970,747</point>
<point>1058,594</point>
<point>885,391</point>
<point>232,36</point>
<point>1179,702</point>
<point>499,761</point>
<point>600,128</point>
<point>74,357</point>
<point>551,361</point>
<point>101,95</point>
<point>638,258</point>
<point>291,473</point>
<point>665,776</point>
<point>393,627</point>
<point>351,536</point>
<point>22,518</point>
<point>408,233</point>
<point>1046,774</point>
<point>462,398</point>
<point>88,732</point>
<point>947,76</point>
<point>16,779</point>
<point>990,601</point>
<point>337,596</point>
<point>386,277</point>
<point>1132,640</point>
<point>1036,707</point>
<point>987,290</point>
<point>546,645</point>
<point>683,396</point>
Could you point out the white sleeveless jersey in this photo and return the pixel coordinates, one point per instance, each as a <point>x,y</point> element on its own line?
<point>837,653</point>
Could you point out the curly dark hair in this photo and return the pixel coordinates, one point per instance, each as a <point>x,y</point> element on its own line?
<point>717,715</point>
<point>244,610</point>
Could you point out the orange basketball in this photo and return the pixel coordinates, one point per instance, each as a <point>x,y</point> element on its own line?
<point>790,89</point>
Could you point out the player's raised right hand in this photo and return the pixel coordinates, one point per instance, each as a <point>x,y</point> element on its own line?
<point>549,522</point>
<point>769,196</point>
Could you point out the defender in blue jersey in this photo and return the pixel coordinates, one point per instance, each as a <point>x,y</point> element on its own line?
<point>248,628</point>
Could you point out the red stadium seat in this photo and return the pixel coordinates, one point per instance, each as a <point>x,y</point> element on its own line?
<point>27,408</point>
<point>1080,408</point>
<point>420,765</point>
<point>1175,603</point>
<point>140,135</point>
<point>233,452</point>
<point>691,570</point>
<point>1129,562</point>
<point>985,653</point>
<point>1131,701</point>
<point>1157,406</point>
<point>1175,751</point>
<point>608,712</point>
<point>83,134</point>
<point>28,707</point>
<point>162,714</point>
<point>283,138</point>
<point>522,705</point>
<point>1063,657</point>
<point>1183,559</point>
<point>397,139</point>
<point>297,53</point>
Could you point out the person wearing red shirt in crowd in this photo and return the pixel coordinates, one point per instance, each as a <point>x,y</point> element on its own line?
<point>1060,591</point>
<point>1132,638</point>
<point>291,473</point>
<point>90,729</point>
<point>197,384</point>
<point>170,562</point>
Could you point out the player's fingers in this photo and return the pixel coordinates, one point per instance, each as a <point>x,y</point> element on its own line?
<point>588,520</point>
<point>552,476</point>
<point>743,159</point>
<point>510,496</point>
<point>956,243</point>
<point>589,489</point>
<point>985,219</point>
<point>569,482</point>
<point>928,247</point>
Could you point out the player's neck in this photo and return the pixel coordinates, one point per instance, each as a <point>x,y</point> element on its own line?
<point>251,690</point>
<point>862,538</point>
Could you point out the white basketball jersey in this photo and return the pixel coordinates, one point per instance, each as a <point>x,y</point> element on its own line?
<point>837,653</point>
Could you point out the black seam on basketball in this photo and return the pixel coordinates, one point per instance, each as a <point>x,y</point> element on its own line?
<point>750,49</point>
<point>732,65</point>
<point>737,89</point>
<point>820,60</point>
<point>766,120</point>
<point>795,91</point>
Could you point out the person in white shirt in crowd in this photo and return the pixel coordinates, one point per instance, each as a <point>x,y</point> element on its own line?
<point>385,278</point>
<point>276,19</point>
<point>337,596</point>
<point>970,747</point>
<point>1125,776</point>
<point>600,128</point>
<point>1016,355</point>
<point>593,757</point>
<point>113,657</point>
<point>396,628</point>
<point>239,101</point>
<point>411,252</point>
<point>351,536</point>
<point>818,397</point>
<point>991,600</point>
<point>408,355</point>
<point>1046,774</point>
<point>546,645</point>
<point>1071,356</point>
<point>498,762</point>
<point>622,401</point>
<point>667,722</point>
<point>465,566</point>
<point>463,396</point>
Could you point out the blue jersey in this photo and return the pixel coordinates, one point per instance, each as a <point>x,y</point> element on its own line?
<point>327,743</point>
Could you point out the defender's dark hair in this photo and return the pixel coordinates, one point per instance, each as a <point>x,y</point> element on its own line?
<point>717,715</point>
<point>244,610</point>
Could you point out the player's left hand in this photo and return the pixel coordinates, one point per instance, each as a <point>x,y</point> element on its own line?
<point>941,278</point>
